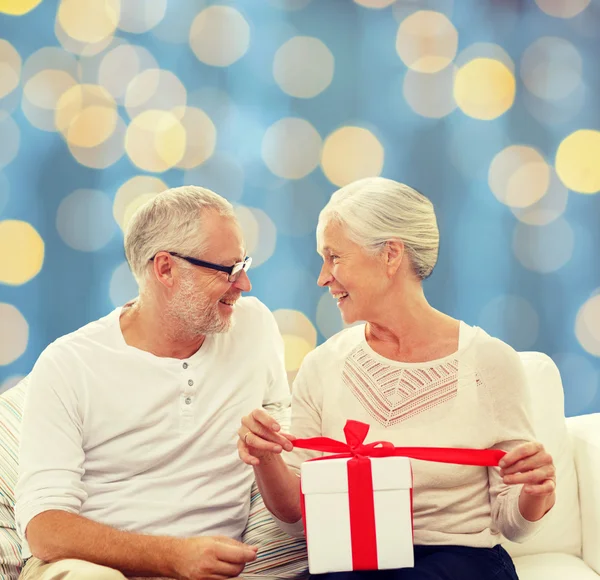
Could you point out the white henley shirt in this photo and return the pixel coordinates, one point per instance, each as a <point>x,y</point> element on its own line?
<point>145,443</point>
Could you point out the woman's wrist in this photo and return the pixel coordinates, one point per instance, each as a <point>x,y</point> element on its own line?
<point>533,508</point>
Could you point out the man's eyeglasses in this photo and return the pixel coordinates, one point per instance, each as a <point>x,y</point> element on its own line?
<point>233,272</point>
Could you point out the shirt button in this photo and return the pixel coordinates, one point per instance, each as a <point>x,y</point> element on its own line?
<point>185,365</point>
<point>190,382</point>
<point>188,400</point>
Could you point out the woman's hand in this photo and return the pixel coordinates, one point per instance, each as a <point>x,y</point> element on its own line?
<point>531,465</point>
<point>260,436</point>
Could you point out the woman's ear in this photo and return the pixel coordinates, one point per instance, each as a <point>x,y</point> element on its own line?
<point>394,252</point>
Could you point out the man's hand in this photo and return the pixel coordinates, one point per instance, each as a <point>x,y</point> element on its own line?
<point>211,558</point>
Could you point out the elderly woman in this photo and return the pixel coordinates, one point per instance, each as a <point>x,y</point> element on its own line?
<point>418,377</point>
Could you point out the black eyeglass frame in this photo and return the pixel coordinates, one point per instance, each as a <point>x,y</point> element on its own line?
<point>233,272</point>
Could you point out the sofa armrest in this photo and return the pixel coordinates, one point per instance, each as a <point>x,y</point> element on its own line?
<point>584,431</point>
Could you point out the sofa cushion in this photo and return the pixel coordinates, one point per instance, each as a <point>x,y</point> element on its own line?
<point>553,567</point>
<point>11,407</point>
<point>562,530</point>
<point>279,555</point>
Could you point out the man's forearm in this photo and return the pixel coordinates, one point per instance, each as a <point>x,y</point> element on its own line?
<point>279,487</point>
<point>57,535</point>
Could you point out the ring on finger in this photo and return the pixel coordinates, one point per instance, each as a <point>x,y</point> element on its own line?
<point>245,437</point>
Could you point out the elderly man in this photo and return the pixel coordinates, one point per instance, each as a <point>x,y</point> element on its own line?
<point>128,462</point>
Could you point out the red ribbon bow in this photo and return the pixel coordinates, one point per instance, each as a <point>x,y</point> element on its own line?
<point>360,479</point>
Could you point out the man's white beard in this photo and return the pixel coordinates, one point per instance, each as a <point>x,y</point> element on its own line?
<point>194,315</point>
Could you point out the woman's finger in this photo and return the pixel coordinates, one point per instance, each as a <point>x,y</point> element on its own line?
<point>253,440</point>
<point>534,476</point>
<point>265,419</point>
<point>520,452</point>
<point>545,488</point>
<point>265,433</point>
<point>529,463</point>
<point>245,455</point>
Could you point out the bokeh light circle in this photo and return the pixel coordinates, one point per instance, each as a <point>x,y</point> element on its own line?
<point>430,94</point>
<point>351,153</point>
<point>104,154</point>
<point>299,336</point>
<point>556,112</point>
<point>577,161</point>
<point>563,8</point>
<point>154,89</point>
<point>14,334</point>
<point>86,115</point>
<point>89,21</point>
<point>587,325</point>
<point>544,249</point>
<point>328,316</point>
<point>426,41</point>
<point>201,136</point>
<point>375,4</point>
<point>547,209</point>
<point>551,68</point>
<point>303,67</point>
<point>84,220</point>
<point>21,252</point>
<point>219,36</point>
<point>47,75</point>
<point>519,176</point>
<point>512,319</point>
<point>121,65</point>
<point>484,88</point>
<point>260,233</point>
<point>134,193</point>
<point>291,148</point>
<point>155,141</point>
<point>10,68</point>
<point>81,49</point>
<point>17,7</point>
<point>140,16</point>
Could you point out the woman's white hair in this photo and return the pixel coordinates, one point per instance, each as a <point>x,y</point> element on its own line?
<point>377,210</point>
<point>171,221</point>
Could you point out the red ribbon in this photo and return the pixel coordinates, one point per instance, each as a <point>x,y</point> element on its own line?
<point>360,479</point>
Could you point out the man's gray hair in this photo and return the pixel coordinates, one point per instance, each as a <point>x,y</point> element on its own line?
<point>171,221</point>
<point>376,210</point>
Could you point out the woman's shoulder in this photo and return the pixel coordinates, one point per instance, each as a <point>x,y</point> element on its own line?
<point>493,358</point>
<point>336,349</point>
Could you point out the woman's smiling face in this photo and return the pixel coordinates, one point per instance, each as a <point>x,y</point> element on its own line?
<point>354,277</point>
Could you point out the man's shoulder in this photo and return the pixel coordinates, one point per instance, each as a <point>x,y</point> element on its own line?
<point>96,331</point>
<point>251,311</point>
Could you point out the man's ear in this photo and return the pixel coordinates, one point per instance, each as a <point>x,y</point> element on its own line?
<point>162,267</point>
<point>394,254</point>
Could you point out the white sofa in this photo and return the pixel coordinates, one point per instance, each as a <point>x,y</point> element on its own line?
<point>567,548</point>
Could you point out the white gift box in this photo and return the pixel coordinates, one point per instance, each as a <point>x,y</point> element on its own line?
<point>327,514</point>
